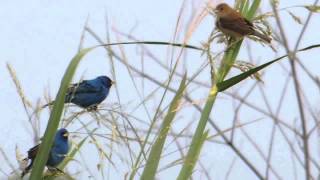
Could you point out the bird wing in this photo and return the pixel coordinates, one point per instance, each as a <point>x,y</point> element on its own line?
<point>239,25</point>
<point>83,87</point>
<point>33,152</point>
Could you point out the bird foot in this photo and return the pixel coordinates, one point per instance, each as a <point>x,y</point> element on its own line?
<point>92,108</point>
<point>54,171</point>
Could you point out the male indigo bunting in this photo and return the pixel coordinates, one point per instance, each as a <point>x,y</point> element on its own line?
<point>88,93</point>
<point>57,153</point>
<point>232,23</point>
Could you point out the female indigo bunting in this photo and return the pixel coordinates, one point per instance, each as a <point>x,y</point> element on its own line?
<point>232,23</point>
<point>88,93</point>
<point>57,153</point>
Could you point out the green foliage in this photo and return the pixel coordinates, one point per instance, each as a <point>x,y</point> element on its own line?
<point>196,143</point>
<point>153,160</point>
<point>236,79</point>
<point>200,134</point>
<point>227,62</point>
<point>154,157</point>
<point>55,116</point>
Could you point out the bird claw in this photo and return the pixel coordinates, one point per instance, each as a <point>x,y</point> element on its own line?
<point>55,171</point>
<point>92,108</point>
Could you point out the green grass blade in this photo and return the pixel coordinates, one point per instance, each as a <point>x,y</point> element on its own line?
<point>138,159</point>
<point>226,64</point>
<point>153,160</point>
<point>196,156</point>
<point>253,9</point>
<point>236,79</point>
<point>196,143</point>
<point>156,43</point>
<point>244,4</point>
<point>232,52</point>
<point>228,60</point>
<point>55,116</point>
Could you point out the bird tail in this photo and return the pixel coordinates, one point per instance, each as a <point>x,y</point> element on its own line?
<point>262,36</point>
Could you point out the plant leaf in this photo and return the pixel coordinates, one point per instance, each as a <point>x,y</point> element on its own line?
<point>192,156</point>
<point>55,116</point>
<point>186,175</point>
<point>236,79</point>
<point>153,160</point>
<point>246,66</point>
<point>253,9</point>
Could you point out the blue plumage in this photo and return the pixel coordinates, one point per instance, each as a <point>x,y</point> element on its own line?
<point>88,93</point>
<point>57,153</point>
<point>59,149</point>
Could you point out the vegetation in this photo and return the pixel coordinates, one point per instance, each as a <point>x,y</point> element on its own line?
<point>145,146</point>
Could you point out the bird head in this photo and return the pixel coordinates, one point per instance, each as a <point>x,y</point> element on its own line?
<point>106,81</point>
<point>223,10</point>
<point>62,134</point>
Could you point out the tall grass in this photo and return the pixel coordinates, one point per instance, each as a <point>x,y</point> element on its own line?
<point>55,117</point>
<point>151,152</point>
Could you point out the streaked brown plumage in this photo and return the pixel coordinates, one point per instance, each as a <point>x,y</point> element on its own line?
<point>232,23</point>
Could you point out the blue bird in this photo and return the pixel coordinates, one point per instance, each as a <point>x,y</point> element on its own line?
<point>88,93</point>
<point>57,153</point>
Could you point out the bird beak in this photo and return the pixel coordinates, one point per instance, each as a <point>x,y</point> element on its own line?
<point>215,11</point>
<point>113,82</point>
<point>65,134</point>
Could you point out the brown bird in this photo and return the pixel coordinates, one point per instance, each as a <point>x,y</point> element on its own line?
<point>232,23</point>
